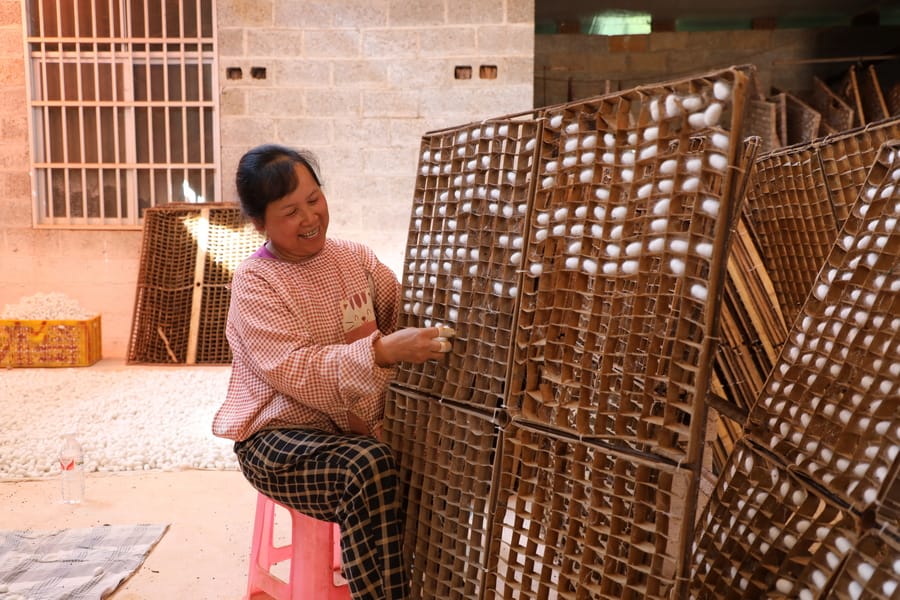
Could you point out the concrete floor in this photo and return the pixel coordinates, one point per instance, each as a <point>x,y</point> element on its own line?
<point>202,556</point>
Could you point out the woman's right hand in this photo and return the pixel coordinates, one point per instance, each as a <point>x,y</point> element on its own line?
<point>413,344</point>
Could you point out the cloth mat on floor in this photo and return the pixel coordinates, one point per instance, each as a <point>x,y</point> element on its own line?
<point>78,564</point>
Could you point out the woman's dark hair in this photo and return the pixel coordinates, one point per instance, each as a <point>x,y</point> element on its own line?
<point>266,173</point>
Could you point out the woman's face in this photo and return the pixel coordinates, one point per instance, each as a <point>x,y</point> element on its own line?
<point>297,223</point>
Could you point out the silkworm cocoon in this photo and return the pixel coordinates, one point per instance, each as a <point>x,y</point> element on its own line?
<point>720,140</point>
<point>678,246</point>
<point>542,218</point>
<point>471,165</point>
<point>463,238</point>
<point>470,178</point>
<point>659,225</point>
<point>668,166</point>
<point>451,224</point>
<point>589,266</point>
<point>627,157</point>
<point>493,207</point>
<point>692,103</point>
<point>615,233</point>
<point>691,184</point>
<point>503,240</point>
<point>619,213</point>
<point>577,230</point>
<point>560,214</point>
<point>647,153</point>
<point>718,161</point>
<point>666,186</point>
<point>633,249</point>
<point>513,291</point>
<point>503,131</point>
<point>722,90</point>
<point>515,258</point>
<point>654,109</point>
<point>571,145</point>
<point>713,114</point>
<point>547,182</point>
<point>530,144</point>
<point>656,245</point>
<point>498,288</point>
<point>699,291</point>
<point>540,235</point>
<point>574,247</point>
<point>601,194</point>
<point>630,266</point>
<point>704,249</point>
<point>474,254</point>
<point>589,141</point>
<point>672,107</point>
<point>613,250</point>
<point>570,161</point>
<point>610,268</point>
<point>697,120</point>
<point>661,207</point>
<point>694,165</point>
<point>587,158</point>
<point>521,208</point>
<point>508,210</point>
<point>596,230</point>
<point>587,175</point>
<point>559,230</point>
<point>676,265</point>
<point>572,262</point>
<point>651,134</point>
<point>517,242</point>
<point>645,190</point>
<point>473,270</point>
<point>551,166</point>
<point>710,206</point>
<point>581,211</point>
<point>511,176</point>
<point>536,269</point>
<point>632,139</point>
<point>609,139</point>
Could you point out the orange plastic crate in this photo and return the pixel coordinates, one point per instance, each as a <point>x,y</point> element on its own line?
<point>50,343</point>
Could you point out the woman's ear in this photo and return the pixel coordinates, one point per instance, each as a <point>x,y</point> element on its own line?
<point>259,225</point>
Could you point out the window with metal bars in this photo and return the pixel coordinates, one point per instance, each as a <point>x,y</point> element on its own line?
<point>123,108</point>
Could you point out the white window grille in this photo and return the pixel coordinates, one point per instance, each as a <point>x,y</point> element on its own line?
<point>123,108</point>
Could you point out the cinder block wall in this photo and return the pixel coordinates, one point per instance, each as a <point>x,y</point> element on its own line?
<point>357,82</point>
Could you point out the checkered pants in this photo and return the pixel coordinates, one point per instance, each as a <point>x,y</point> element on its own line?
<point>348,479</point>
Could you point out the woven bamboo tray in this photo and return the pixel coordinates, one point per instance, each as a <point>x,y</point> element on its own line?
<point>625,259</point>
<point>464,254</point>
<point>446,458</point>
<point>188,254</point>
<point>578,520</point>
<point>830,406</point>
<point>766,534</point>
<point>800,196</point>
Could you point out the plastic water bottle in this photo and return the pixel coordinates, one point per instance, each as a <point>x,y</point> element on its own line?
<point>71,464</point>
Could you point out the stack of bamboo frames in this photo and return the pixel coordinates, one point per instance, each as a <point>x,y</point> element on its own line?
<point>560,449</point>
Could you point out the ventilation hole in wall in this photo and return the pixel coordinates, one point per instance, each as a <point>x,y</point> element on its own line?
<point>462,72</point>
<point>258,72</point>
<point>487,71</point>
<point>234,73</point>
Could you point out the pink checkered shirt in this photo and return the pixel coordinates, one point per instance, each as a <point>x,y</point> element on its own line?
<point>301,336</point>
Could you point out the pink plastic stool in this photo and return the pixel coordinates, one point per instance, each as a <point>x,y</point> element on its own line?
<point>314,552</point>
